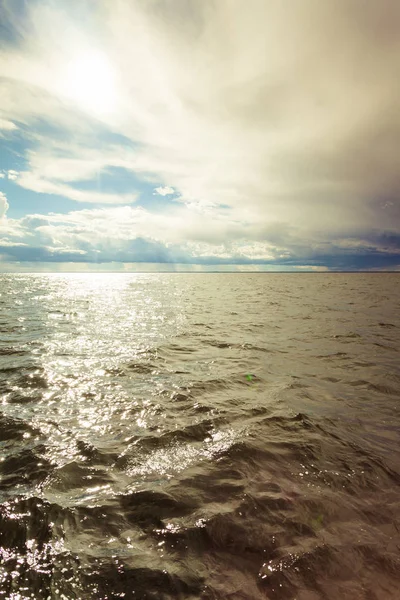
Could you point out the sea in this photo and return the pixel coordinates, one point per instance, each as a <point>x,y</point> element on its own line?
<point>200,436</point>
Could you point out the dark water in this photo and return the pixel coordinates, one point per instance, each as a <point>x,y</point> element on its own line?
<point>200,436</point>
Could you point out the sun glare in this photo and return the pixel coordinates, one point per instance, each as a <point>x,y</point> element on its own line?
<point>89,81</point>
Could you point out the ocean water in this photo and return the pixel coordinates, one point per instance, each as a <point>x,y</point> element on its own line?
<point>200,436</point>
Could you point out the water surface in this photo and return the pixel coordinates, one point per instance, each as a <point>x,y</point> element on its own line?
<point>200,436</point>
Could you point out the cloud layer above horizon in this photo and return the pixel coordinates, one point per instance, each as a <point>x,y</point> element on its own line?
<point>206,133</point>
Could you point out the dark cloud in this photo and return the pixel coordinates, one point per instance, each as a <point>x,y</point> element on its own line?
<point>23,253</point>
<point>146,251</point>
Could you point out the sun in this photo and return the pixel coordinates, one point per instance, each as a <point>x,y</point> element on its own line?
<point>89,82</point>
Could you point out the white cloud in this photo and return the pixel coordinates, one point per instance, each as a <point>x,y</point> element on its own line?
<point>11,174</point>
<point>2,175</point>
<point>164,191</point>
<point>3,205</point>
<point>35,183</point>
<point>6,125</point>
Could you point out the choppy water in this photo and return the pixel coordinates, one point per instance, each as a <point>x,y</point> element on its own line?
<point>200,436</point>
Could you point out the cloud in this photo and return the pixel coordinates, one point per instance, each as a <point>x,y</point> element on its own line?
<point>3,205</point>
<point>164,191</point>
<point>6,125</point>
<point>35,183</point>
<point>129,234</point>
<point>11,174</point>
<point>276,126</point>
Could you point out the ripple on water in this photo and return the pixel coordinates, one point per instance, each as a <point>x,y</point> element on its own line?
<point>198,437</point>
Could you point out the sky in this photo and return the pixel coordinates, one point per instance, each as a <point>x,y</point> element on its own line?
<point>199,135</point>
